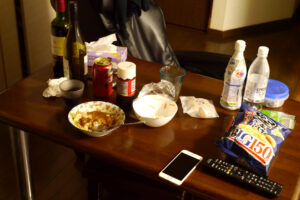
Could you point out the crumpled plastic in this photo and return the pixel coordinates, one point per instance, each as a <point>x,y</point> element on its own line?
<point>53,88</point>
<point>163,88</point>
<point>198,107</point>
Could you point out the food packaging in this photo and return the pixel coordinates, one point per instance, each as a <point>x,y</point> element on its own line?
<point>276,94</point>
<point>286,119</point>
<point>254,139</point>
<point>198,107</point>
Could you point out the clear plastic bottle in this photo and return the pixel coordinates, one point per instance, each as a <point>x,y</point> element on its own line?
<point>257,79</point>
<point>234,78</point>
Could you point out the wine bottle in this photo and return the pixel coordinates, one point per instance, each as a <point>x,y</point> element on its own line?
<point>59,30</point>
<point>75,47</point>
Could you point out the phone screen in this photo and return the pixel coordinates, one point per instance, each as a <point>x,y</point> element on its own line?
<point>181,166</point>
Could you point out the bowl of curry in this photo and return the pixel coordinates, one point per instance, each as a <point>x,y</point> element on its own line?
<point>96,118</point>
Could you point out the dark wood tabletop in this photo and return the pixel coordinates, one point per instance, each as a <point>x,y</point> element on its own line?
<point>145,150</point>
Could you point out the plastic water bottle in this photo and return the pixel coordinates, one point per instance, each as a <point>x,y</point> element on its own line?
<point>257,79</point>
<point>234,77</point>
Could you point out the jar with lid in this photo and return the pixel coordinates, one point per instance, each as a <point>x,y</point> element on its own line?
<point>126,81</point>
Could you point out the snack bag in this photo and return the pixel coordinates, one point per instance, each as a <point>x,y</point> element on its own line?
<point>255,138</point>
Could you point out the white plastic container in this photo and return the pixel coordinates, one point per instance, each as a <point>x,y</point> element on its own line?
<point>234,78</point>
<point>276,94</point>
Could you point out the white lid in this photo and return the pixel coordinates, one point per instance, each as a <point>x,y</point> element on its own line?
<point>126,70</point>
<point>263,51</point>
<point>240,45</point>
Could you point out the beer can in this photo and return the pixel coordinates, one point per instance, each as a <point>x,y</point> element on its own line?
<point>102,77</point>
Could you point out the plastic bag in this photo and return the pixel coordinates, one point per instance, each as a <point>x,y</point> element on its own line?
<point>198,107</point>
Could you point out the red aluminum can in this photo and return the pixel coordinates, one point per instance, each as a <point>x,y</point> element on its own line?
<point>102,77</point>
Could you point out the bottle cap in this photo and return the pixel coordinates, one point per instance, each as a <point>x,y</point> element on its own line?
<point>126,70</point>
<point>263,51</point>
<point>240,45</point>
<point>60,5</point>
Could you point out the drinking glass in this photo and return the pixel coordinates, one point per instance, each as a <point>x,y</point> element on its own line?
<point>175,75</point>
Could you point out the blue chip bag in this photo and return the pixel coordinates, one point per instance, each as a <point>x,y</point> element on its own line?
<point>255,138</point>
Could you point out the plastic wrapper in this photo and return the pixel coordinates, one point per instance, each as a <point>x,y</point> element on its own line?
<point>254,139</point>
<point>286,119</point>
<point>163,88</point>
<point>198,107</point>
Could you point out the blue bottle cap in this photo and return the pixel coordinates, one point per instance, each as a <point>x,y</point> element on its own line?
<point>276,90</point>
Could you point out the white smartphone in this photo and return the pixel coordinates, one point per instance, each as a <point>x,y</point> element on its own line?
<point>180,167</point>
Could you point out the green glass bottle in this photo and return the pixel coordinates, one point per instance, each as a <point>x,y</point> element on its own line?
<point>75,47</point>
<point>59,30</point>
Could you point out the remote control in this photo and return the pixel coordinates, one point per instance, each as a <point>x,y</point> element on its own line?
<point>260,184</point>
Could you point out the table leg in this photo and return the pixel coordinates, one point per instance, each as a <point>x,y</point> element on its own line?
<point>20,150</point>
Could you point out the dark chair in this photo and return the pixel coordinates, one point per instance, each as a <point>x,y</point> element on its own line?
<point>147,37</point>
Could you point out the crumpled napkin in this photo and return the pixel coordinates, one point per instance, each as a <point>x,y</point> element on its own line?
<point>53,88</point>
<point>198,107</point>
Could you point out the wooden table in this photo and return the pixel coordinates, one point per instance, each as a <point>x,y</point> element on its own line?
<point>146,150</point>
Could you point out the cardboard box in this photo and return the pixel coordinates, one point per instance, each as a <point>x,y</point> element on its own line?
<point>119,56</point>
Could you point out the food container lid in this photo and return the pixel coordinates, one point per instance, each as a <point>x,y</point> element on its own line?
<point>276,90</point>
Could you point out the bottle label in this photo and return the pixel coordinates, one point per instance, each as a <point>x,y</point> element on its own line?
<point>78,49</point>
<point>233,83</point>
<point>66,68</point>
<point>256,88</point>
<point>85,60</point>
<point>126,88</point>
<point>58,45</point>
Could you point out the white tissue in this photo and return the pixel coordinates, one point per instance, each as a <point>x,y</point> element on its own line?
<point>103,45</point>
<point>198,107</point>
<point>53,88</point>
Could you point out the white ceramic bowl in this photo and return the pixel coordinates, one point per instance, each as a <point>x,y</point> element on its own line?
<point>76,113</point>
<point>154,110</point>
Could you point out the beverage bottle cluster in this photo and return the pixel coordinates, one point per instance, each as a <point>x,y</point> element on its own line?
<point>68,46</point>
<point>235,74</point>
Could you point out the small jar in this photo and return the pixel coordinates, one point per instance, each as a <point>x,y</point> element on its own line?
<point>277,92</point>
<point>126,81</point>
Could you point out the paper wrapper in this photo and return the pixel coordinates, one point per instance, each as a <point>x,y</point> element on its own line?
<point>198,107</point>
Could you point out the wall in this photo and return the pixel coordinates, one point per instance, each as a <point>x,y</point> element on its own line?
<point>297,3</point>
<point>37,16</point>
<point>189,13</point>
<point>232,14</point>
<point>10,60</point>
